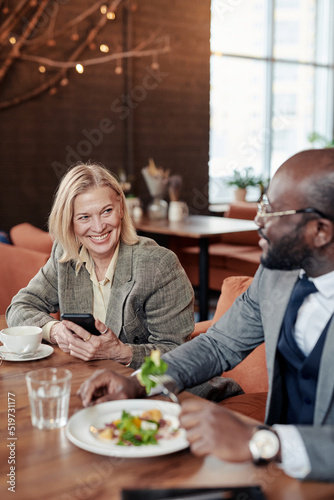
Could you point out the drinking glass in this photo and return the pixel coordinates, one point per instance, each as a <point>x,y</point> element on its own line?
<point>49,395</point>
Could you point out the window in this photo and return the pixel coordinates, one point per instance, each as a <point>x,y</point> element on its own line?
<point>271,84</point>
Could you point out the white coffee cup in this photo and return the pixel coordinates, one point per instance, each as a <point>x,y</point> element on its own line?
<point>21,339</point>
<point>177,211</point>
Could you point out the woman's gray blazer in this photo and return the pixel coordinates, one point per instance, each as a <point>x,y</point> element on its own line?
<point>151,300</point>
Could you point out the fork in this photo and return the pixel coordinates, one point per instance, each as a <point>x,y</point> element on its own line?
<point>168,386</point>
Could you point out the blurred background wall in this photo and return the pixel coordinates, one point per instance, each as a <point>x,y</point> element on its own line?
<point>157,107</point>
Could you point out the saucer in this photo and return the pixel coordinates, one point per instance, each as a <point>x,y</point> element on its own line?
<point>43,351</point>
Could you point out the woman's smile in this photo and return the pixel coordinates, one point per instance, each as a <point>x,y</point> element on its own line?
<point>97,221</point>
<point>100,238</point>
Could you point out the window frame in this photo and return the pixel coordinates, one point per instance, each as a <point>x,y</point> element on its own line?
<point>323,118</point>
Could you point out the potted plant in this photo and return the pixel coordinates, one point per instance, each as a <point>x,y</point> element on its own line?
<point>320,141</point>
<point>242,179</point>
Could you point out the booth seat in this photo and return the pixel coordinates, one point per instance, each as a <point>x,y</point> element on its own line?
<point>236,254</point>
<point>251,373</point>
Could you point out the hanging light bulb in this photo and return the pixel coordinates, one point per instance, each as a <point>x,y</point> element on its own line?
<point>12,40</point>
<point>104,48</point>
<point>75,35</point>
<point>103,9</point>
<point>42,69</point>
<point>64,82</point>
<point>111,15</point>
<point>119,69</point>
<point>80,69</point>
<point>155,65</point>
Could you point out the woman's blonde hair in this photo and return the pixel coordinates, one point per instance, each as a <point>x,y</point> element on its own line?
<point>77,180</point>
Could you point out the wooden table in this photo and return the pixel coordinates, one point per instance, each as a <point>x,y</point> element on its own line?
<point>49,467</point>
<point>202,228</point>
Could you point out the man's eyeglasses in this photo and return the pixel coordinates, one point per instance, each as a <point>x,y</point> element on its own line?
<point>264,213</point>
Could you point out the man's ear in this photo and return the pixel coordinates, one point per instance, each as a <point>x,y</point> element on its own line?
<point>325,232</point>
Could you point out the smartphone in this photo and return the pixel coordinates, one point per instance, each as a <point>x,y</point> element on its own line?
<point>84,320</point>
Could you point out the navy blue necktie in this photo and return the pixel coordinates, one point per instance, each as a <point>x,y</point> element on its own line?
<point>293,363</point>
<point>302,289</point>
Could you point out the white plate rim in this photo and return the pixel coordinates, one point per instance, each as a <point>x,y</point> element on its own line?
<point>88,416</point>
<point>43,351</point>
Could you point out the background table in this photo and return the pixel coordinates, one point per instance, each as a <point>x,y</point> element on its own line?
<point>49,467</point>
<point>202,228</point>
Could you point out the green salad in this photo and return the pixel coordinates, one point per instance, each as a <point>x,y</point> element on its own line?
<point>152,365</point>
<point>134,430</point>
<point>148,428</point>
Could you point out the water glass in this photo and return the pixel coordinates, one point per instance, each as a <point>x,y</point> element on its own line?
<point>49,392</point>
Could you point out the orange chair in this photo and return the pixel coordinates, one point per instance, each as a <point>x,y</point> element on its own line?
<point>26,235</point>
<point>17,267</point>
<point>251,373</point>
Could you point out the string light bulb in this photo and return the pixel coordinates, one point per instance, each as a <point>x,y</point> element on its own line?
<point>155,65</point>
<point>111,15</point>
<point>64,82</point>
<point>75,37</point>
<point>80,69</point>
<point>103,9</point>
<point>119,69</point>
<point>12,40</point>
<point>42,69</point>
<point>104,48</point>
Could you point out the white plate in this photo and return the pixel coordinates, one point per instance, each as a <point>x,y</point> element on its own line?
<point>43,351</point>
<point>77,429</point>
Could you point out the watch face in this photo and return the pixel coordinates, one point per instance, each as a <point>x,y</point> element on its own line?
<point>264,445</point>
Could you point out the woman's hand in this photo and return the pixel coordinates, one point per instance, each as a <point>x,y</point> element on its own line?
<point>61,335</point>
<point>85,346</point>
<point>105,385</point>
<point>214,430</point>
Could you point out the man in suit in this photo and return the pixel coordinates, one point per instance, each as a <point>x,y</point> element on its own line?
<point>297,241</point>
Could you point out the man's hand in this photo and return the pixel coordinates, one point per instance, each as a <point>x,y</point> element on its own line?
<point>213,430</point>
<point>105,385</point>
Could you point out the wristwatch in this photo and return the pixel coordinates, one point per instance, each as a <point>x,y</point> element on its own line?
<point>264,445</point>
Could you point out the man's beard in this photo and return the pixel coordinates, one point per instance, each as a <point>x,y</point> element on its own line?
<point>291,252</point>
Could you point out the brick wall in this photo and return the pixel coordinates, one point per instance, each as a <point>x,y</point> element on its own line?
<point>166,118</point>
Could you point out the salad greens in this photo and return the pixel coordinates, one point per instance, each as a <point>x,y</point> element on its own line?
<point>152,365</point>
<point>150,426</point>
<point>133,430</point>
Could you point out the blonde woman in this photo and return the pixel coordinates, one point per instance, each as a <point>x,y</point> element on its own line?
<point>137,291</point>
